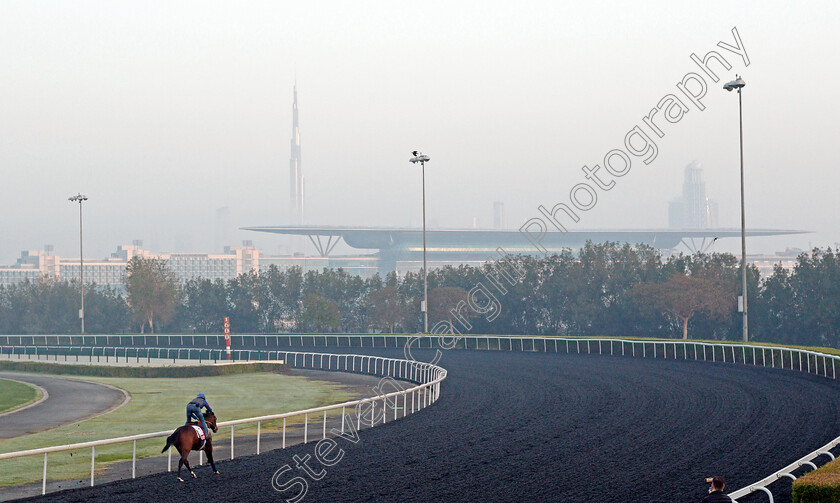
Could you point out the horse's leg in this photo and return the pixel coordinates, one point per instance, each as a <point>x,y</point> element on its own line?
<point>187,464</point>
<point>181,462</point>
<point>209,450</point>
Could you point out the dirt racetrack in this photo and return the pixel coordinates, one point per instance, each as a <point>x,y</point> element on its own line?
<point>547,427</point>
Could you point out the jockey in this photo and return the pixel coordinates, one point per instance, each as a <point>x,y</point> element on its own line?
<point>194,410</point>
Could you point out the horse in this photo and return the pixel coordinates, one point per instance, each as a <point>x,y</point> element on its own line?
<point>186,439</point>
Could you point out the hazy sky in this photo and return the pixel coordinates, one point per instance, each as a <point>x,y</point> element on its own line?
<point>162,112</point>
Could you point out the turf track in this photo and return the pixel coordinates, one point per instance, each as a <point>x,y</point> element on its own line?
<point>548,427</point>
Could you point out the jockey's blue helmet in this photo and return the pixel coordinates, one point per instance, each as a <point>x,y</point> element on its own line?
<point>201,395</point>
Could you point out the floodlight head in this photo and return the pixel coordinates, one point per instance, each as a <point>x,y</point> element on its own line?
<point>77,197</point>
<point>738,83</point>
<point>418,157</point>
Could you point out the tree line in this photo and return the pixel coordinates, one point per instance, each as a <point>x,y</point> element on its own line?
<point>600,290</point>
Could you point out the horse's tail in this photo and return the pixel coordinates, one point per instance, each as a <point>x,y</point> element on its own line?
<point>169,440</point>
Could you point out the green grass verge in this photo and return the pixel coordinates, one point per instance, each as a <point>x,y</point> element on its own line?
<point>14,395</point>
<point>141,371</point>
<point>819,486</point>
<point>159,404</point>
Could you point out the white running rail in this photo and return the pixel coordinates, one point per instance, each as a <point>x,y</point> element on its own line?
<point>426,377</point>
<point>779,357</point>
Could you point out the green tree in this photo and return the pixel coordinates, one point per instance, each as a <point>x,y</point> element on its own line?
<point>776,308</point>
<point>319,315</point>
<point>203,306</point>
<point>387,308</point>
<point>279,298</point>
<point>152,291</point>
<point>244,301</point>
<point>816,297</point>
<point>681,297</point>
<point>443,300</point>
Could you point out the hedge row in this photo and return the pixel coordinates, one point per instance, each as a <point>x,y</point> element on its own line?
<point>819,486</point>
<point>114,371</point>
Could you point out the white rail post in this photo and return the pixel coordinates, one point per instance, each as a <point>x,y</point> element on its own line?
<point>342,412</point>
<point>44,481</point>
<point>231,441</point>
<point>284,433</point>
<point>258,436</point>
<point>134,459</point>
<point>169,460</point>
<point>305,427</point>
<point>92,461</point>
<point>200,458</point>
<point>325,423</point>
<point>405,404</point>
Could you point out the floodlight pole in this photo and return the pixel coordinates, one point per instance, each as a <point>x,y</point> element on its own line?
<point>743,221</point>
<point>422,158</point>
<point>79,198</point>
<point>425,268</point>
<point>739,84</point>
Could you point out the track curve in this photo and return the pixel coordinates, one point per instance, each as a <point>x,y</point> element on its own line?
<point>68,401</point>
<point>546,427</point>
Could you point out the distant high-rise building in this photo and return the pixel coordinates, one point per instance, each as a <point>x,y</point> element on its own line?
<point>693,210</point>
<point>295,173</point>
<point>223,234</point>
<point>498,215</point>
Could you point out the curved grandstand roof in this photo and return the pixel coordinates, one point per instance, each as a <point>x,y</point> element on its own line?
<point>465,241</point>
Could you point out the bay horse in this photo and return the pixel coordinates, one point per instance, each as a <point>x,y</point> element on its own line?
<point>186,439</point>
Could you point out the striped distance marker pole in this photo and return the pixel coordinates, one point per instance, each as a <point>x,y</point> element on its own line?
<point>227,335</point>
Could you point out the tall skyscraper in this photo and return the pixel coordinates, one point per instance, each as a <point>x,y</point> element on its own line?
<point>693,210</point>
<point>498,215</point>
<point>224,229</point>
<point>295,173</point>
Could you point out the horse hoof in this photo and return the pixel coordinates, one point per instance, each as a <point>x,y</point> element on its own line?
<point>217,472</point>
<point>180,479</point>
<point>194,475</point>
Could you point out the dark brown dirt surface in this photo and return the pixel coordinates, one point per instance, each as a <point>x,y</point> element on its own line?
<point>546,427</point>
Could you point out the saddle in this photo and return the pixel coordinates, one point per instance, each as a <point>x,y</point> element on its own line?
<point>200,433</point>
